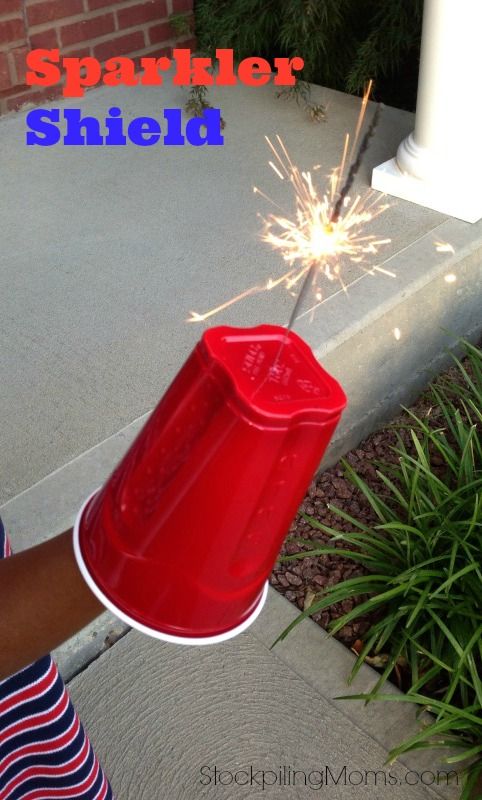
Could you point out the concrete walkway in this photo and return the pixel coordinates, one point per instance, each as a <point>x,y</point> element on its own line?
<point>158,713</point>
<point>163,717</point>
<point>104,253</point>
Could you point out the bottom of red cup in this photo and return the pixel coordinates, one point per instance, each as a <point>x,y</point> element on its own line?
<point>134,623</point>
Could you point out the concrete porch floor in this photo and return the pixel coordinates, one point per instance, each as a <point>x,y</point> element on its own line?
<point>105,251</point>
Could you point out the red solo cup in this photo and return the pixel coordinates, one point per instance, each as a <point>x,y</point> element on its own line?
<point>181,539</point>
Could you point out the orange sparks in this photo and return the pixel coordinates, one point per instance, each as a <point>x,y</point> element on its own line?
<point>311,238</point>
<point>444,247</point>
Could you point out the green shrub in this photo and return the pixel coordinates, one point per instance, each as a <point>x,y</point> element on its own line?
<point>344,43</point>
<point>424,563</point>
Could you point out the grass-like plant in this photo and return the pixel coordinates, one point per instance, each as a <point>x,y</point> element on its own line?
<point>423,561</point>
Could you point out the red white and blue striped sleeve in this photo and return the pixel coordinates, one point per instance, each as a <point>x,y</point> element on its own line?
<point>44,751</point>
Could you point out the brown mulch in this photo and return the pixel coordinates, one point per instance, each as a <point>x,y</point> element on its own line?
<point>299,580</point>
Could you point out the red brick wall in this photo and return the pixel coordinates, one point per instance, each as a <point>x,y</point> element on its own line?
<point>100,28</point>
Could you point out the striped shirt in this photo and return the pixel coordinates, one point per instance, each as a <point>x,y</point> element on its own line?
<point>44,751</point>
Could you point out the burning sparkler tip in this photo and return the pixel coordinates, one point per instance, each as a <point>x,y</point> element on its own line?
<point>325,227</point>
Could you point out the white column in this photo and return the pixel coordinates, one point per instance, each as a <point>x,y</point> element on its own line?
<point>439,165</point>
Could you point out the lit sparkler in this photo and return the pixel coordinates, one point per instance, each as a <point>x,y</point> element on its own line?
<point>325,227</point>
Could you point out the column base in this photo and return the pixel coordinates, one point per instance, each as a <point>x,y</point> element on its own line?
<point>442,197</point>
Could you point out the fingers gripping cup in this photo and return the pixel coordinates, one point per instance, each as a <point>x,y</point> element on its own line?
<point>182,538</point>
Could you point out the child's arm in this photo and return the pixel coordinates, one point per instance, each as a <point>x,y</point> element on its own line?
<point>43,601</point>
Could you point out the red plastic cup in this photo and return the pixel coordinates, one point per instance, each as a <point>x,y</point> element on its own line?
<point>182,538</point>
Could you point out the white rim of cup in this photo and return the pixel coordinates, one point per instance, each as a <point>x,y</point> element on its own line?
<point>166,637</point>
